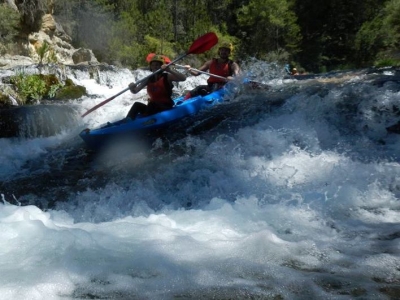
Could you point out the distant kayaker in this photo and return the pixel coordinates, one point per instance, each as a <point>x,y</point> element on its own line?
<point>221,66</point>
<point>291,70</point>
<point>159,89</point>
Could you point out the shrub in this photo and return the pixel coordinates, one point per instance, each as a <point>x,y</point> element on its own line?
<point>32,88</point>
<point>46,52</point>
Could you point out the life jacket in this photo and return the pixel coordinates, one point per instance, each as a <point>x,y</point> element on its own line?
<point>160,90</point>
<point>220,69</point>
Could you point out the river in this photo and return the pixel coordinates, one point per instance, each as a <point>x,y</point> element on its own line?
<point>290,192</point>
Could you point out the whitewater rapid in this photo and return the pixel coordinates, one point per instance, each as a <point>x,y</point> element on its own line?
<point>292,194</point>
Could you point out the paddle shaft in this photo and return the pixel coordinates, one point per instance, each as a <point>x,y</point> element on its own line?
<point>104,102</point>
<point>224,78</point>
<point>202,72</point>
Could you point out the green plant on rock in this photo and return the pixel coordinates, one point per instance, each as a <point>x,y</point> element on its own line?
<point>32,88</point>
<point>42,50</point>
<point>70,92</point>
<point>46,53</point>
<point>36,87</point>
<point>52,57</point>
<point>53,89</point>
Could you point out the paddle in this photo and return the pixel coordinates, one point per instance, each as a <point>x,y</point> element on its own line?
<point>202,72</point>
<point>167,60</point>
<point>254,84</point>
<point>201,45</point>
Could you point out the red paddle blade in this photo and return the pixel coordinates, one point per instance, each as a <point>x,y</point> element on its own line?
<point>151,55</point>
<point>203,43</point>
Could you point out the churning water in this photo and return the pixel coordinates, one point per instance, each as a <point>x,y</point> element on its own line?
<point>290,192</point>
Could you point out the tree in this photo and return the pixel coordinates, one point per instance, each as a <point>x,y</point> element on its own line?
<point>268,25</point>
<point>329,29</point>
<point>379,39</point>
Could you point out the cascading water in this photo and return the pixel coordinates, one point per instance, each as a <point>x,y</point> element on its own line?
<point>290,192</point>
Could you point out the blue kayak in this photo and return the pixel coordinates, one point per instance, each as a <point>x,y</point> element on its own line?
<point>128,128</point>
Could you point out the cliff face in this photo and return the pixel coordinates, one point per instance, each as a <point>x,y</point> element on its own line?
<point>42,39</point>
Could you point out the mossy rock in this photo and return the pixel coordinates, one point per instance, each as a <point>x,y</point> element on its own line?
<point>50,79</point>
<point>4,101</point>
<point>69,82</point>
<point>70,92</point>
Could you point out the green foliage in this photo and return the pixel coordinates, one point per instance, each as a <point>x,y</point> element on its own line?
<point>391,24</point>
<point>268,25</point>
<point>9,23</point>
<point>387,62</point>
<point>376,38</point>
<point>159,24</point>
<point>196,19</point>
<point>369,40</point>
<point>124,46</point>
<point>154,45</point>
<point>41,51</point>
<point>320,35</point>
<point>280,56</point>
<point>132,55</point>
<point>32,88</point>
<point>387,58</point>
<point>53,89</point>
<point>46,53</point>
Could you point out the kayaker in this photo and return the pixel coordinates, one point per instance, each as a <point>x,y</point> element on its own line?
<point>159,89</point>
<point>221,66</point>
<point>291,70</point>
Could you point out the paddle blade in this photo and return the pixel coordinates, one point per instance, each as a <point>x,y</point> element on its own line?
<point>203,43</point>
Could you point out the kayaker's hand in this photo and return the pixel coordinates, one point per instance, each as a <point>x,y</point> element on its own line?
<point>189,69</point>
<point>166,67</point>
<point>132,87</point>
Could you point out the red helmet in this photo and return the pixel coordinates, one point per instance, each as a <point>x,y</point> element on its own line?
<point>158,58</point>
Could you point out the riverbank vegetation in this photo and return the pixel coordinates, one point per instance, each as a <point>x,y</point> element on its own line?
<point>315,35</point>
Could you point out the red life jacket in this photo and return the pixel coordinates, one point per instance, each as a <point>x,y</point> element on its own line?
<point>220,69</point>
<point>160,90</point>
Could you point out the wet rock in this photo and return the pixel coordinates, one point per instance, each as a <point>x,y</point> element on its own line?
<point>35,120</point>
<point>83,55</point>
<point>11,61</point>
<point>70,91</point>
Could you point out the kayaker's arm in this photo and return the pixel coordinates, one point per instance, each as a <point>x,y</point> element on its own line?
<point>235,69</point>
<point>174,75</point>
